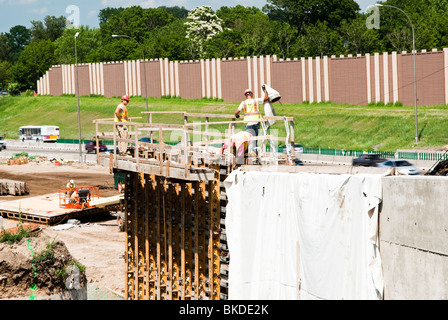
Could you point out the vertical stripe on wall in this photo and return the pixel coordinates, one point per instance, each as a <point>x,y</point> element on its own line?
<point>302,64</point>
<point>310,79</point>
<point>162,81</point>
<point>139,77</point>
<point>133,78</point>
<point>326,80</point>
<point>249,74</point>
<point>203,79</point>
<point>126,83</point>
<point>213,78</point>
<point>386,77</point>
<point>376,61</point>
<point>166,76</point>
<point>171,75</point>
<point>218,78</point>
<point>268,70</point>
<point>255,68</point>
<point>207,78</point>
<point>318,81</point>
<point>176,80</point>
<point>73,82</point>
<point>445,66</point>
<point>369,86</point>
<point>395,76</point>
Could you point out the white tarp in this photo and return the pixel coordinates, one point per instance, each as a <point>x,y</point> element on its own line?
<point>318,232</point>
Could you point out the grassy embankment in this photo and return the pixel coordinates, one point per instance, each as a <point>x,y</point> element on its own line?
<point>324,125</point>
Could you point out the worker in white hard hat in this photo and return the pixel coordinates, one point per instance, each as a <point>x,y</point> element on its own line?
<point>252,115</point>
<point>71,188</point>
<point>239,144</point>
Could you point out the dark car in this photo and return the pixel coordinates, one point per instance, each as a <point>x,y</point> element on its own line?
<point>368,160</point>
<point>147,140</point>
<point>91,146</point>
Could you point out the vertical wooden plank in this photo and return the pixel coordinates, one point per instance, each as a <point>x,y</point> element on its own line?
<point>152,238</point>
<point>158,238</point>
<point>201,248</point>
<point>214,234</point>
<point>168,218</point>
<point>134,216</point>
<point>164,257</point>
<point>176,240</point>
<point>130,253</point>
<point>187,241</point>
<point>182,239</point>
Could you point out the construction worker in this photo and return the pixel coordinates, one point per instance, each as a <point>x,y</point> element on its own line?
<point>252,114</point>
<point>121,115</point>
<point>239,143</point>
<point>71,188</point>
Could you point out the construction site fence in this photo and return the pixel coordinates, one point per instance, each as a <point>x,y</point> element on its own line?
<point>408,155</point>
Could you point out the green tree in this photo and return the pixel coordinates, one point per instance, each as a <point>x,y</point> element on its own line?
<point>106,13</point>
<point>177,12</point>
<point>4,72</point>
<point>303,13</point>
<point>358,38</point>
<point>202,25</point>
<point>87,45</point>
<point>18,37</point>
<point>226,44</point>
<point>283,39</point>
<point>168,42</point>
<point>33,62</point>
<point>235,16</point>
<point>52,28</point>
<point>135,22</point>
<point>321,40</point>
<point>4,47</point>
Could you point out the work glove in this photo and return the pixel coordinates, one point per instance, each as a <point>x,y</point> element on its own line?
<point>237,115</point>
<point>263,87</point>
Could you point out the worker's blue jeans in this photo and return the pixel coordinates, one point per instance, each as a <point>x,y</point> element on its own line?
<point>253,129</point>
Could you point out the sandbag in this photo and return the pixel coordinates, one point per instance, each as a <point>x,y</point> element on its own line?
<point>269,110</point>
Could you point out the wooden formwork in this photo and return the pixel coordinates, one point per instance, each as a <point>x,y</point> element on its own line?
<point>174,202</point>
<point>175,238</point>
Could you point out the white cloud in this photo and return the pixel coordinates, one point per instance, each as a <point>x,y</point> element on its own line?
<point>20,2</point>
<point>93,13</point>
<point>39,11</point>
<point>128,3</point>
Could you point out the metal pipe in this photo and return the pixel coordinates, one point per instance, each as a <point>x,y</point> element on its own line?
<point>415,73</point>
<point>77,94</point>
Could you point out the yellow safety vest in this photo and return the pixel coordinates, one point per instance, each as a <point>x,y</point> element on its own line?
<point>123,114</point>
<point>251,110</point>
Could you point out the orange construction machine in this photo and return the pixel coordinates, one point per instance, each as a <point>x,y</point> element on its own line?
<point>78,198</point>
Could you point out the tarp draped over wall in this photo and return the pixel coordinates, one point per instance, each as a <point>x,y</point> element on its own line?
<point>318,232</point>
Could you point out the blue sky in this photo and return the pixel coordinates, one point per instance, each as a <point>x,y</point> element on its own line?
<point>21,12</point>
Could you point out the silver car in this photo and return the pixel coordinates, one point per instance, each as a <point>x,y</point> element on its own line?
<point>403,166</point>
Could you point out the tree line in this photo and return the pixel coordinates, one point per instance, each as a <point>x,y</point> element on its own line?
<point>286,28</point>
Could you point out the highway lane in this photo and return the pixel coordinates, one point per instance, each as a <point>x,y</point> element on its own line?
<point>49,150</point>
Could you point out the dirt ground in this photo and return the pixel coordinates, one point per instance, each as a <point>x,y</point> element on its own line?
<point>96,242</point>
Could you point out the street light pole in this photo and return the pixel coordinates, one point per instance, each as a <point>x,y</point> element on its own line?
<point>144,69</point>
<point>415,73</point>
<point>77,94</point>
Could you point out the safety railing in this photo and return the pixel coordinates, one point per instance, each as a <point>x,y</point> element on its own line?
<point>201,136</point>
